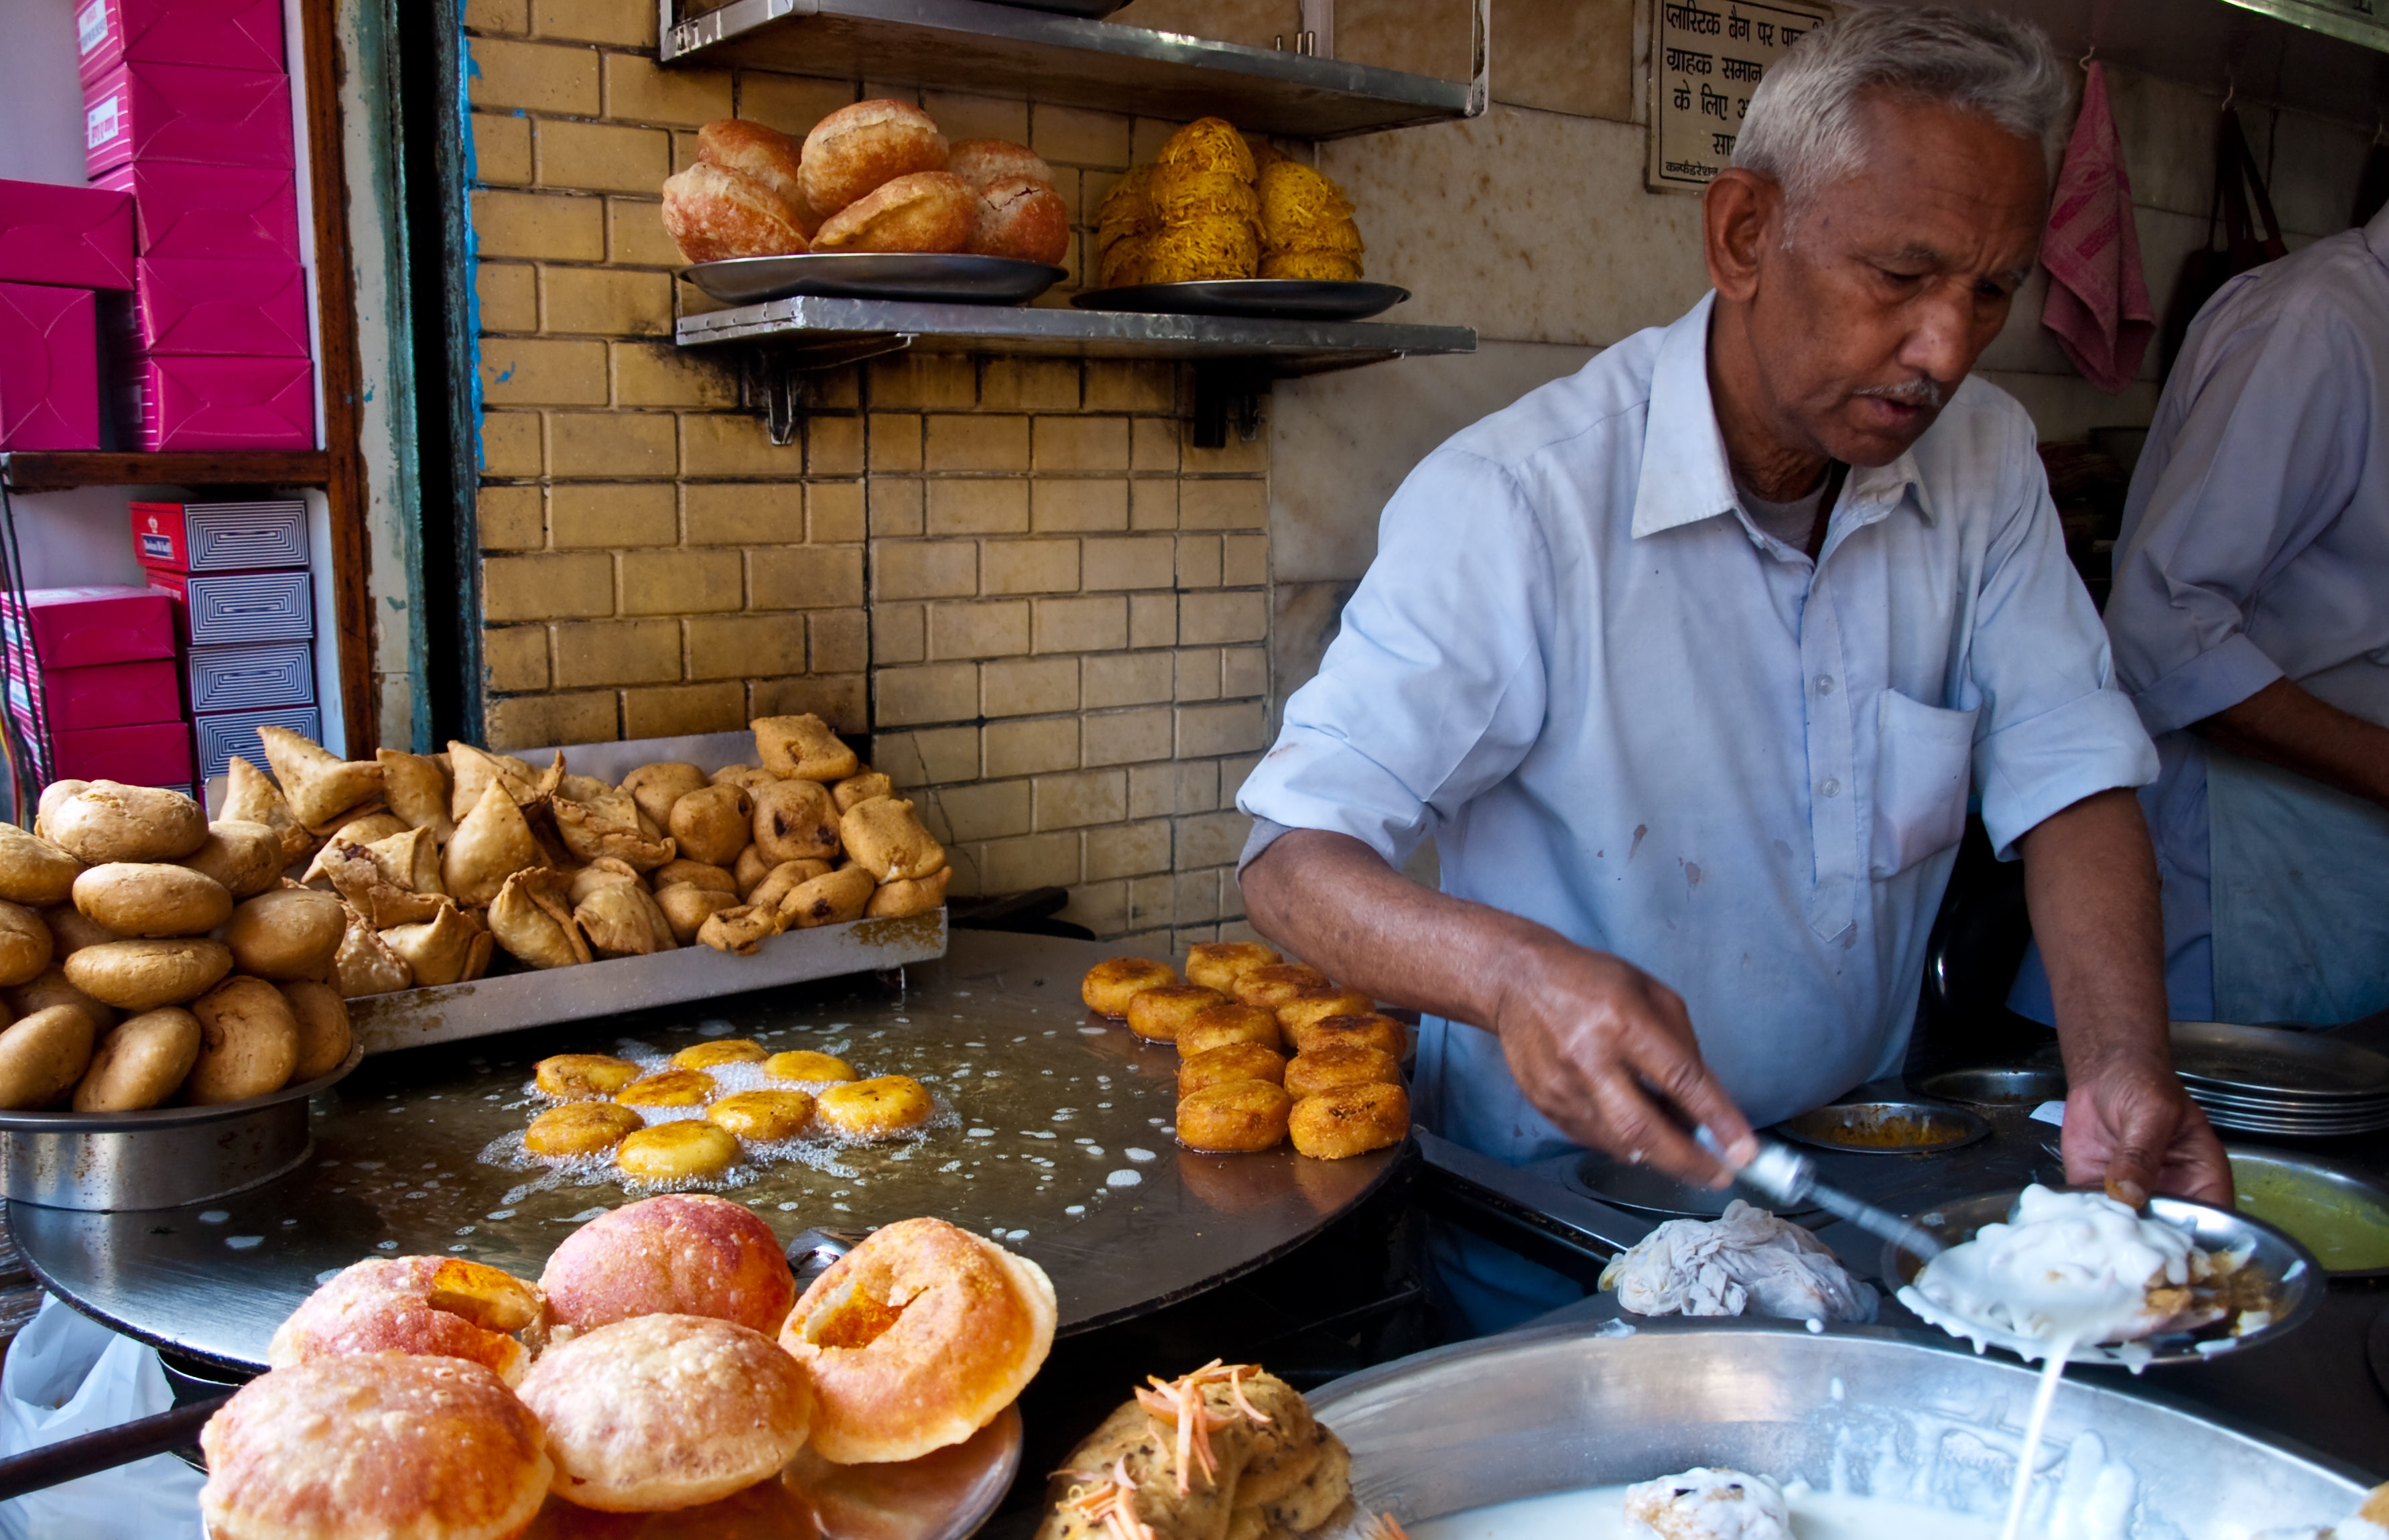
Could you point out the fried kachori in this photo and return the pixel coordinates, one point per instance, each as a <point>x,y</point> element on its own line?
<point>1112,983</point>
<point>1239,1116</point>
<point>1158,1015</point>
<point>1344,1121</point>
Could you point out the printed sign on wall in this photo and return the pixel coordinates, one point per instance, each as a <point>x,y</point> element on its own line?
<point>1705,61</point>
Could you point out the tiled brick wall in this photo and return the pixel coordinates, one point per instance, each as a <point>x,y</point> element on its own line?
<point>1051,613</point>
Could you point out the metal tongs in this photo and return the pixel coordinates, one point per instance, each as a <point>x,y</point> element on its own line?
<point>1785,1176</point>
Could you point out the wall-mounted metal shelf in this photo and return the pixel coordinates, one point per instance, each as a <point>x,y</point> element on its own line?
<point>55,470</point>
<point>1235,358</point>
<point>1004,50</point>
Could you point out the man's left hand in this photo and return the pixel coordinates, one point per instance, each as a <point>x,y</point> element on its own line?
<point>2132,1127</point>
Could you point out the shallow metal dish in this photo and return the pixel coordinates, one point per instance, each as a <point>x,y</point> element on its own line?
<point>2297,1277</point>
<point>1867,1128</point>
<point>955,276</point>
<point>1998,1087</point>
<point>1091,9</point>
<point>2314,1072</point>
<point>2305,1180</point>
<point>160,1159</point>
<point>1282,299</point>
<point>1867,1409</point>
<point>1645,1189</point>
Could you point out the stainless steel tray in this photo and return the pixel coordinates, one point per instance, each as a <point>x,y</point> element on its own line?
<point>162,1158</point>
<point>1279,299</point>
<point>1853,1127</point>
<point>1870,1410</point>
<point>2323,1182</point>
<point>2314,1072</point>
<point>2017,1088</point>
<point>955,275</point>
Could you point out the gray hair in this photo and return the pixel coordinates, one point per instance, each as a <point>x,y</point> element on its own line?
<point>1804,131</point>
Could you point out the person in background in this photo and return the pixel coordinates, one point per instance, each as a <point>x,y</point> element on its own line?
<point>2249,620</point>
<point>1687,661</point>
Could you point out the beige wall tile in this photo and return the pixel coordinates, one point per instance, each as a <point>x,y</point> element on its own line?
<point>1198,785</point>
<point>1213,839</point>
<point>840,640</point>
<point>1025,384</point>
<point>743,513</point>
<point>628,22</point>
<point>668,710</point>
<point>1100,906</point>
<point>1234,728</point>
<point>510,518</point>
<point>900,634</point>
<point>939,692</point>
<point>1153,444</point>
<point>1077,505</point>
<point>834,511</point>
<point>1029,686</point>
<point>1031,861</point>
<point>635,237</point>
<point>1076,136</point>
<point>1080,624</point>
<point>734,445</point>
<point>538,371</point>
<point>681,583</point>
<point>658,374</point>
<point>609,443</point>
<point>990,810</point>
<point>790,103</point>
<point>1234,615</point>
<point>512,17</point>
<point>740,646</point>
<point>1244,670</point>
<point>1198,561</point>
<point>1153,504</point>
<point>1197,673</point>
<point>510,444</point>
<point>1125,737</point>
<point>1125,678</point>
<point>895,442</point>
<point>833,446</point>
<point>924,570</point>
<point>1131,561</point>
<point>1077,800</point>
<point>514,658</point>
<point>616,652</point>
<point>1030,567</point>
<point>966,629</point>
<point>1238,456</point>
<point>1151,620</point>
<point>1074,444</point>
<point>1030,747</point>
<point>607,302</point>
<point>501,149</point>
<point>535,721</point>
<point>1245,561</point>
<point>546,587</point>
<point>637,89</point>
<point>1195,897</point>
<point>931,382</point>
<point>932,756</point>
<point>992,442</point>
<point>805,577</point>
<point>1152,789</point>
<point>555,225</point>
<point>636,514</point>
<point>966,117</point>
<point>601,157</point>
<point>1133,385</point>
<point>1128,850</point>
<point>842,700</point>
<point>1223,505</point>
<point>978,506</point>
<point>537,77</point>
<point>895,508</point>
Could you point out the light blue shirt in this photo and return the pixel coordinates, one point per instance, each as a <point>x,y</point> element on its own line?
<point>1622,710</point>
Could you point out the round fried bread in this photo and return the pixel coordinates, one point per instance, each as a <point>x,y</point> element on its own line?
<point>875,1108</point>
<point>1236,1061</point>
<point>683,1254</point>
<point>575,1076</point>
<point>430,1307</point>
<point>1217,965</point>
<point>806,1066</point>
<point>1315,1005</point>
<point>688,1150</point>
<point>763,1116</point>
<point>669,1088</point>
<point>1158,1014</point>
<point>1369,1030</point>
<point>1345,1121</point>
<point>1272,984</point>
<point>1113,982</point>
<point>1229,1023</point>
<point>580,1128</point>
<point>1306,1075</point>
<point>727,1050</point>
<point>1236,1117</point>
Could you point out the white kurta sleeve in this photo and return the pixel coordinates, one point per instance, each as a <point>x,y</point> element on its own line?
<point>1433,689</point>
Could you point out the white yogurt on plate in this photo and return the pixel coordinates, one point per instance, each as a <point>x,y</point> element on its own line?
<point>1599,1513</point>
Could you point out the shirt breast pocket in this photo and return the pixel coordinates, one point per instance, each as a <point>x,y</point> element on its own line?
<point>1923,764</point>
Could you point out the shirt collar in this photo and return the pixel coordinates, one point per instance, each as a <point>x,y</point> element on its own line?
<point>1686,476</point>
<point>2376,235</point>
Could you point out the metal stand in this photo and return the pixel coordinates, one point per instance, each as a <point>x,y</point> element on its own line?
<point>781,380</point>
<point>1226,394</point>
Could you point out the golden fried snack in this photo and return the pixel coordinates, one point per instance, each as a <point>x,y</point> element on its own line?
<point>759,154</point>
<point>53,796</point>
<point>1315,1500</point>
<point>685,872</point>
<point>531,920</point>
<point>138,1064</point>
<point>984,162</point>
<point>491,843</point>
<point>362,829</point>
<point>1183,196</point>
<point>1368,1031</point>
<point>803,746</point>
<point>714,214</point>
<point>247,858</point>
<point>249,1043</point>
<point>323,790</point>
<point>795,820</point>
<point>1142,1446</point>
<point>25,945</point>
<point>713,825</point>
<point>909,895</point>
<point>1209,144</point>
<point>1112,983</point>
<point>1158,1015</point>
<point>43,1057</point>
<point>689,1150</point>
<point>374,1446</point>
<point>109,821</point>
<point>580,1076</point>
<point>390,882</point>
<point>251,797</point>
<point>916,1339</point>
<point>669,1088</point>
<point>1235,1116</point>
<point>857,149</point>
<point>687,907</point>
<point>1285,1448</point>
<point>622,919</point>
<point>655,787</point>
<point>49,988</point>
<point>875,1108</point>
<point>1217,965</point>
<point>1350,1120</point>
<point>33,872</point>
<point>288,933</point>
<point>861,787</point>
<point>929,210</point>
<point>682,1255</point>
<point>580,1128</point>
<point>725,1050</point>
<point>595,819</point>
<point>1229,1023</point>
<point>442,951</point>
<point>1317,1004</point>
<point>749,871</point>
<point>883,835</point>
<point>142,975</point>
<point>667,1412</point>
<point>806,1066</point>
<point>428,1306</point>
<point>326,1034</point>
<point>1022,218</point>
<point>1204,251</point>
<point>763,1116</point>
<point>1232,1062</point>
<point>833,898</point>
<point>1306,1075</point>
<point>738,774</point>
<point>367,965</point>
<point>418,791</point>
<point>1272,984</point>
<point>1317,266</point>
<point>741,929</point>
<point>70,929</point>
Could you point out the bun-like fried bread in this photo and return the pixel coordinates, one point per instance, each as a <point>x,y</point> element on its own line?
<point>713,214</point>
<point>857,149</point>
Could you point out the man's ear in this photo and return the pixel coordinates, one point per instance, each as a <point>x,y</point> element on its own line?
<point>1740,214</point>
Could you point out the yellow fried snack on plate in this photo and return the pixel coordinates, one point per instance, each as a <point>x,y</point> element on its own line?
<point>804,1065</point>
<point>1237,1116</point>
<point>580,1128</point>
<point>882,835</point>
<point>1217,965</point>
<point>1158,1015</point>
<point>875,1108</point>
<point>1345,1121</point>
<point>725,1050</point>
<point>763,1116</point>
<point>1112,983</point>
<point>803,746</point>
<point>690,1150</point>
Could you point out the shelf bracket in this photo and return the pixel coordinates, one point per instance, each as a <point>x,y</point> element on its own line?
<point>783,381</point>
<point>1227,394</point>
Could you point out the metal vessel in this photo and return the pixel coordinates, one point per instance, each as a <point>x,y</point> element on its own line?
<point>1886,1128</point>
<point>956,277</point>
<point>1279,299</point>
<point>2019,1088</point>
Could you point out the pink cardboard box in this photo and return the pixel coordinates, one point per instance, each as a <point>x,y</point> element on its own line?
<point>111,694</point>
<point>49,367</point>
<point>185,306</point>
<point>78,237</point>
<point>157,754</point>
<point>82,627</point>
<point>222,35</point>
<point>186,210</point>
<point>181,113</point>
<point>186,403</point>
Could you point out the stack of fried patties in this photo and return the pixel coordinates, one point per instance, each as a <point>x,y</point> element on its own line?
<point>1201,190</point>
<point>1226,1453</point>
<point>1306,225</point>
<point>876,176</point>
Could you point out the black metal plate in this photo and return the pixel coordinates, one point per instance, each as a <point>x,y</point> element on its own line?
<point>1284,298</point>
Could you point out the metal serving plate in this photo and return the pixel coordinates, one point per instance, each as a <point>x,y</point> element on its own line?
<point>2316,1072</point>
<point>1646,1190</point>
<point>1283,299</point>
<point>2020,1087</point>
<point>162,1158</point>
<point>2303,1181</point>
<point>1871,1410</point>
<point>2297,1277</point>
<point>954,276</point>
<point>1858,1127</point>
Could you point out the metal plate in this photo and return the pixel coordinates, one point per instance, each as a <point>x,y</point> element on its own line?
<point>2296,1275</point>
<point>397,1167</point>
<point>1998,1087</point>
<point>2318,1073</point>
<point>2302,1196</point>
<point>1886,1128</point>
<point>1866,1410</point>
<point>956,277</point>
<point>1089,8</point>
<point>1647,1191</point>
<point>1282,298</point>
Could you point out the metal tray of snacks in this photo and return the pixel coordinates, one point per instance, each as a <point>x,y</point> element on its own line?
<point>953,277</point>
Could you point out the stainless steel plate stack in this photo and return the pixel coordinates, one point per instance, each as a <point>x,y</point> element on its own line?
<point>2288,1085</point>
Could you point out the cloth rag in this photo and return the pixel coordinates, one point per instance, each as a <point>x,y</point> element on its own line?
<point>2097,301</point>
<point>1748,1260</point>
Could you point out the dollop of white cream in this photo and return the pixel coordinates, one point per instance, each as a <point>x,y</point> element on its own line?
<point>2070,1266</point>
<point>1707,1503</point>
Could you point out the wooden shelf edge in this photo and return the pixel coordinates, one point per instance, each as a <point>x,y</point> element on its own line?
<point>55,470</point>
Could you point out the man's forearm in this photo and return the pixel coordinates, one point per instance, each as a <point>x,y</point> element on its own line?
<point>2090,882</point>
<point>2285,726</point>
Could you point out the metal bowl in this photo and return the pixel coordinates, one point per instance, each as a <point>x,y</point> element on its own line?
<point>2301,1194</point>
<point>2297,1278</point>
<point>2019,1088</point>
<point>955,277</point>
<point>1646,1190</point>
<point>1887,1128</point>
<point>160,1159</point>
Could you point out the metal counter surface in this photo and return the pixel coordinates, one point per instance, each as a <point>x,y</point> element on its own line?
<point>1058,1139</point>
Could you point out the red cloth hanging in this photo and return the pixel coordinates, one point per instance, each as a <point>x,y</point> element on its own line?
<point>2097,297</point>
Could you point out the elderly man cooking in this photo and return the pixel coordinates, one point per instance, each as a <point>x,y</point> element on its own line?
<point>1686,662</point>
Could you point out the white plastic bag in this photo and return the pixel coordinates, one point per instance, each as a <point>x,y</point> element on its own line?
<point>65,1374</point>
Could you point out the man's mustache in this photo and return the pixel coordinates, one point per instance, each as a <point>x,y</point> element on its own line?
<point>1924,391</point>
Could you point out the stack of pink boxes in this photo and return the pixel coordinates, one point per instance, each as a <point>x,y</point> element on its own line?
<point>243,609</point>
<point>101,661</point>
<point>57,245</point>
<point>186,107</point>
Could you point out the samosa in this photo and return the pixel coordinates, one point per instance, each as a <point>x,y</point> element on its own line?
<point>621,920</point>
<point>418,791</point>
<point>476,768</point>
<point>595,819</point>
<point>440,951</point>
<point>323,790</point>
<point>251,797</point>
<point>491,845</point>
<point>366,965</point>
<point>531,920</point>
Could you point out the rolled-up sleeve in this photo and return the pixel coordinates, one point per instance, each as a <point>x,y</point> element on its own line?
<point>2053,728</point>
<point>1433,689</point>
<point>2270,448</point>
